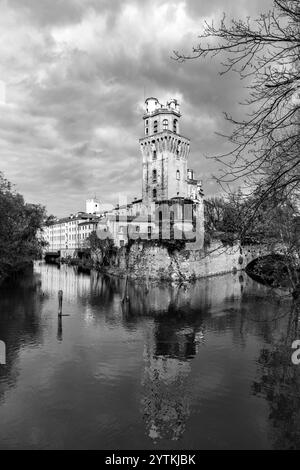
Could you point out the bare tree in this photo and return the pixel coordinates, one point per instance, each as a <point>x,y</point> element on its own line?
<point>265,53</point>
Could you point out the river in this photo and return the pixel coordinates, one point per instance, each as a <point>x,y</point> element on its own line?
<point>199,366</point>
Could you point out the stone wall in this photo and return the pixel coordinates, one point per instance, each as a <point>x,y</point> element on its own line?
<point>155,262</point>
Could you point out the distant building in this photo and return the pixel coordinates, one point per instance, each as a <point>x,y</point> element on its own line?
<point>92,206</point>
<point>69,234</point>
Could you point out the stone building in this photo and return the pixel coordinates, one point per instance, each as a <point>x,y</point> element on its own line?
<point>165,155</point>
<point>171,206</point>
<point>170,191</point>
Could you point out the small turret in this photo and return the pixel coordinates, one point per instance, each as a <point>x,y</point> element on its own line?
<point>159,118</point>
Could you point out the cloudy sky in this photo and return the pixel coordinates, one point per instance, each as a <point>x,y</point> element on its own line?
<point>73,77</point>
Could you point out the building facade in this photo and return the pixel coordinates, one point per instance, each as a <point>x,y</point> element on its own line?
<point>69,234</point>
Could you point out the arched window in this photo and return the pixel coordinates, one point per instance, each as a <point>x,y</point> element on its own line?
<point>165,124</point>
<point>155,127</point>
<point>154,194</point>
<point>172,225</point>
<point>154,176</point>
<point>153,148</point>
<point>175,125</point>
<point>178,175</point>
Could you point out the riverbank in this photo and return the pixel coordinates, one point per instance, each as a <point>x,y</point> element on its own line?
<point>162,262</point>
<point>11,273</point>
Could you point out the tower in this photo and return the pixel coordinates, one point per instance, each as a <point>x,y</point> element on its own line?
<point>164,151</point>
<point>92,206</point>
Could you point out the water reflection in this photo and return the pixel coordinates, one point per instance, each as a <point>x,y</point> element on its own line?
<point>20,325</point>
<point>278,382</point>
<point>177,366</point>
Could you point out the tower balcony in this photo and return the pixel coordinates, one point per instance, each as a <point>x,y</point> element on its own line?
<point>161,111</point>
<point>165,134</point>
<point>165,141</point>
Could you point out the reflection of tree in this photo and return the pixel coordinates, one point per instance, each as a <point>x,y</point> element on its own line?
<point>279,384</point>
<point>20,306</point>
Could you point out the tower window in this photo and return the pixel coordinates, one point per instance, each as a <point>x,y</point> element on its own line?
<point>165,124</point>
<point>154,176</point>
<point>154,194</point>
<point>153,148</point>
<point>155,124</point>
<point>178,175</point>
<point>175,126</point>
<point>147,131</point>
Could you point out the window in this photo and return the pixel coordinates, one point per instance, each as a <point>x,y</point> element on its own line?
<point>153,149</point>
<point>154,193</point>
<point>165,124</point>
<point>154,176</point>
<point>137,228</point>
<point>172,225</point>
<point>175,125</point>
<point>178,175</point>
<point>155,127</point>
<point>147,131</point>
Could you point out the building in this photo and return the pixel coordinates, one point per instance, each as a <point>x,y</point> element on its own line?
<point>69,234</point>
<point>165,155</point>
<point>171,206</point>
<point>92,206</point>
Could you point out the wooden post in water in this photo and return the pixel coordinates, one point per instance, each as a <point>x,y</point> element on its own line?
<point>59,328</point>
<point>60,301</point>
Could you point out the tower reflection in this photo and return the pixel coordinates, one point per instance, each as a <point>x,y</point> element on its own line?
<point>172,337</point>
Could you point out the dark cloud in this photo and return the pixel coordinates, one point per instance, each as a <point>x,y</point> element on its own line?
<point>76,73</point>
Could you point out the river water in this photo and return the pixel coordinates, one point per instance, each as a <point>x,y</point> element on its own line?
<point>179,367</point>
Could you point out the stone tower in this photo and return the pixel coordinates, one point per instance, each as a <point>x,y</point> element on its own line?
<point>165,153</point>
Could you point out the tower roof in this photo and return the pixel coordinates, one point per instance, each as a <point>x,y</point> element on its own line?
<point>153,106</point>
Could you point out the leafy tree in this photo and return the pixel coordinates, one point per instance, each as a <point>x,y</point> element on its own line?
<point>104,246</point>
<point>20,223</point>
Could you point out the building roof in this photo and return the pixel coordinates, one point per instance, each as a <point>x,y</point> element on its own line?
<point>88,222</point>
<point>70,218</point>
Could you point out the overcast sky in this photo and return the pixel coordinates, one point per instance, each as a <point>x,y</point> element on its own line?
<point>73,78</point>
